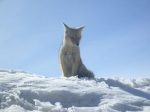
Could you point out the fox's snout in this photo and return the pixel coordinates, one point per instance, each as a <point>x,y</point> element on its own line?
<point>75,41</point>
<point>77,44</point>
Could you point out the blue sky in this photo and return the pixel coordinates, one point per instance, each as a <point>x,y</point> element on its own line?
<point>115,40</point>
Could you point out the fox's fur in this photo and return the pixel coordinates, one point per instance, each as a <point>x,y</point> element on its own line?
<point>69,54</point>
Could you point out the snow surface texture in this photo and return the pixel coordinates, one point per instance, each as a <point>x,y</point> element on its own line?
<point>25,92</point>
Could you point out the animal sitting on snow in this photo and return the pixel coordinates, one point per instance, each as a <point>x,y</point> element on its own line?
<point>69,54</point>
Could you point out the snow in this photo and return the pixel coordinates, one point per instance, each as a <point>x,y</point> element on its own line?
<point>26,92</point>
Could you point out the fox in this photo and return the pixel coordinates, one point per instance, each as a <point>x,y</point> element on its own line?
<point>69,54</point>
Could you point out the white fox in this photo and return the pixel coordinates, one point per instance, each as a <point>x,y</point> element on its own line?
<point>69,54</point>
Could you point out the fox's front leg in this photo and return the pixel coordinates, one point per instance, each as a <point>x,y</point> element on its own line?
<point>75,64</point>
<point>74,69</point>
<point>63,65</point>
<point>64,69</point>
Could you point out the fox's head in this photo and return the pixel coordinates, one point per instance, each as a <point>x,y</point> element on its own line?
<point>72,36</point>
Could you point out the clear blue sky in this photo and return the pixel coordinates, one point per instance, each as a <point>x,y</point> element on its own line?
<point>115,41</point>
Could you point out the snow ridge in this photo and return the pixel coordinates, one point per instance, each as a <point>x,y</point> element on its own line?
<point>25,92</point>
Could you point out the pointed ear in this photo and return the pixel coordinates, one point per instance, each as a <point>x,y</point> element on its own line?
<point>65,26</point>
<point>80,28</point>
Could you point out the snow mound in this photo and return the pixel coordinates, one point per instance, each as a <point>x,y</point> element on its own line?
<point>25,92</point>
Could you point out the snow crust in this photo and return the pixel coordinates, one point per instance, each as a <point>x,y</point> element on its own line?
<point>25,92</point>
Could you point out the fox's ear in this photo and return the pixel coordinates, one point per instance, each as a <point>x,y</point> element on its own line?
<point>65,26</point>
<point>80,28</point>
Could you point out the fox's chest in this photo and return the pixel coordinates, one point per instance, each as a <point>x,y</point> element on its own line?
<point>69,56</point>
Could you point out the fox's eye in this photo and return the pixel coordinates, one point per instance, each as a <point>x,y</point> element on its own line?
<point>72,37</point>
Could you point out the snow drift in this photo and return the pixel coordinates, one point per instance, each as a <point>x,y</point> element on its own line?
<point>25,92</point>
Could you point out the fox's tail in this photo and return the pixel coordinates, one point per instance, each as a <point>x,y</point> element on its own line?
<point>83,72</point>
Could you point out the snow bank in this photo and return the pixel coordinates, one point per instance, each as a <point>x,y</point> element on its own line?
<point>25,92</point>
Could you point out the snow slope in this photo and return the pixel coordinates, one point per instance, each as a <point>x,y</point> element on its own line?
<point>25,92</point>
